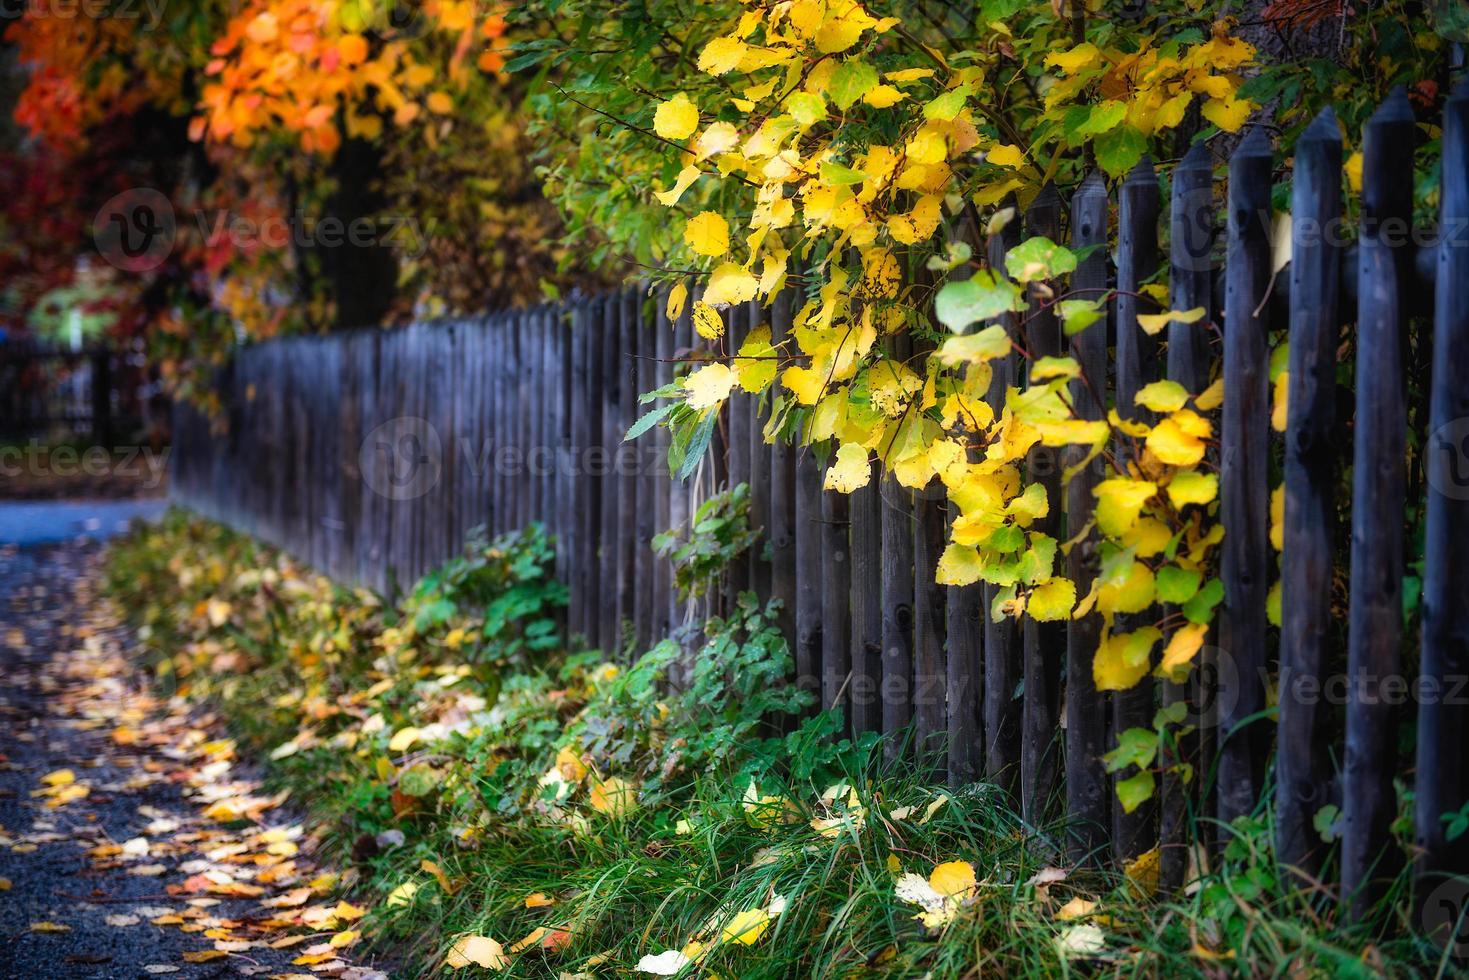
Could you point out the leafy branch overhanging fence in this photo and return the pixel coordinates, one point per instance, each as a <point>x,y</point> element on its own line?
<point>370,454</point>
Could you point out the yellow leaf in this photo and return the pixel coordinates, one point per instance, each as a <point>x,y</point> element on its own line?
<point>1052,601</point>
<point>1229,114</point>
<point>1079,58</point>
<point>707,321</point>
<point>404,739</point>
<point>1134,593</point>
<point>614,797</point>
<point>439,103</point>
<point>677,297</point>
<point>49,927</point>
<point>721,55</point>
<point>1142,871</point>
<point>707,233</point>
<point>205,955</point>
<point>953,879</point>
<point>755,362</point>
<point>1005,155</point>
<point>1178,655</point>
<point>61,777</point>
<point>709,386</point>
<point>958,565</point>
<point>850,470</point>
<point>1152,323</point>
<point>1279,411</point>
<point>1119,502</point>
<point>536,900</point>
<point>1176,440</point>
<point>747,927</point>
<point>1162,396</point>
<point>479,950</point>
<point>1277,518</point>
<point>1077,908</point>
<point>882,96</point>
<point>1192,487</point>
<point>1122,659</point>
<point>686,178</point>
<point>729,284</point>
<point>677,118</point>
<point>1353,167</point>
<point>805,383</point>
<point>1211,397</point>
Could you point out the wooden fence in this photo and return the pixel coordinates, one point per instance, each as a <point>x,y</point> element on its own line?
<point>370,454</point>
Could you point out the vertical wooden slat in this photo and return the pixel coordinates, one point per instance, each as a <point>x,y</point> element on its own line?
<point>1137,365</point>
<point>627,494</point>
<point>759,475</point>
<point>608,623</point>
<point>737,419</point>
<point>678,499</point>
<point>836,600</point>
<point>1244,488</point>
<point>1375,617</point>
<point>1191,223</point>
<point>663,597</point>
<point>592,470</point>
<point>1088,790</point>
<point>646,477</point>
<point>808,571</point>
<point>930,617</point>
<point>896,582</point>
<point>782,531</point>
<point>864,691</point>
<point>1443,722</point>
<point>1303,765</point>
<point>1044,642</point>
<point>1003,651</point>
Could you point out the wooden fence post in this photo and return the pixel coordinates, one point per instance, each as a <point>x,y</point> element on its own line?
<point>1138,209</point>
<point>1302,765</point>
<point>1443,727</point>
<point>663,597</point>
<point>626,456</point>
<point>645,368</point>
<point>1375,617</point>
<point>896,582</point>
<point>1088,790</point>
<point>1003,643</point>
<point>1044,642</point>
<point>1191,222</point>
<point>930,619</point>
<point>783,490</point>
<point>865,690</point>
<point>1244,488</point>
<point>608,622</point>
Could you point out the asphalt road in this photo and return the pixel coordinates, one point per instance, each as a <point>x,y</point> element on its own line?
<point>65,691</point>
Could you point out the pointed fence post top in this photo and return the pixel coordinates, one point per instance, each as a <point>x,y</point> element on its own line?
<point>1256,143</point>
<point>1095,185</point>
<point>1395,109</point>
<point>1142,172</point>
<point>1323,129</point>
<point>1197,158</point>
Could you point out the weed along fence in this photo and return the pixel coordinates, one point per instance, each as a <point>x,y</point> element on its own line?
<point>371,454</point>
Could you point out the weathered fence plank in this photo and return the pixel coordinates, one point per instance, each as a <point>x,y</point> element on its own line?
<point>1302,768</point>
<point>1443,723</point>
<point>1375,615</point>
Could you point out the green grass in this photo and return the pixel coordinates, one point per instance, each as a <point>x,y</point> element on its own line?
<point>295,654</point>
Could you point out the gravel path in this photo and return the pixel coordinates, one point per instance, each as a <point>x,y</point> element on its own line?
<point>119,856</point>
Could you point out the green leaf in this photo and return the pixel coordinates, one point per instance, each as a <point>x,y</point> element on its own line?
<point>1078,314</point>
<point>1039,258</point>
<point>1178,585</point>
<point>947,106</point>
<point>1135,747</point>
<point>1134,791</point>
<point>418,780</point>
<point>1200,609</point>
<point>980,297</point>
<point>698,442</point>
<point>1102,118</point>
<point>648,420</point>
<point>852,80</point>
<point>1119,151</point>
<point>835,173</point>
